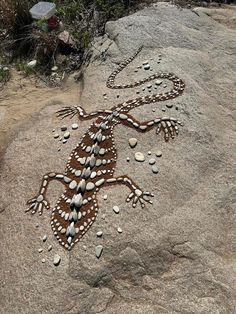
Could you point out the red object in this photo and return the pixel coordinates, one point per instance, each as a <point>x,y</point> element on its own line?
<point>52,22</point>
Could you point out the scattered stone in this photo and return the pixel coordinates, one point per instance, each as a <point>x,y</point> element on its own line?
<point>66,135</point>
<point>56,259</point>
<point>37,225</point>
<point>32,64</point>
<point>64,128</point>
<point>145,62</point>
<point>143,89</point>
<point>116,209</point>
<point>152,161</point>
<point>139,156</point>
<point>155,169</point>
<point>74,126</point>
<point>105,97</point>
<point>158,153</point>
<point>158,82</point>
<point>164,86</point>
<point>53,130</point>
<point>56,135</point>
<point>119,230</point>
<point>84,247</point>
<point>99,233</point>
<point>149,153</point>
<point>147,67</point>
<point>103,216</point>
<point>163,109</point>
<point>58,149</point>
<point>55,68</point>
<point>149,86</point>
<point>49,248</point>
<point>133,142</point>
<point>104,94</point>
<point>169,105</point>
<point>176,108</point>
<point>98,250</point>
<point>40,250</point>
<point>60,139</point>
<point>117,96</point>
<point>45,238</point>
<point>153,110</point>
<point>137,92</point>
<point>105,197</point>
<point>64,141</point>
<point>128,159</point>
<point>43,260</point>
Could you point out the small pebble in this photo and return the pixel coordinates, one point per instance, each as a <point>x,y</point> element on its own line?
<point>163,109</point>
<point>43,260</point>
<point>104,94</point>
<point>147,67</point>
<point>40,250</point>
<point>60,139</point>
<point>152,161</point>
<point>84,247</point>
<point>49,248</point>
<point>153,110</point>
<point>55,68</point>
<point>66,135</point>
<point>64,141</point>
<point>103,216</point>
<point>105,197</point>
<point>116,209</point>
<point>158,153</point>
<point>158,82</point>
<point>149,86</point>
<point>56,135</point>
<point>98,250</point>
<point>137,92</point>
<point>37,225</point>
<point>44,238</point>
<point>133,142</point>
<point>176,108</point>
<point>119,230</point>
<point>143,89</point>
<point>64,128</point>
<point>155,169</point>
<point>128,159</point>
<point>149,153</point>
<point>139,156</point>
<point>105,97</point>
<point>117,96</point>
<point>58,149</point>
<point>164,86</point>
<point>56,259</point>
<point>169,105</point>
<point>99,233</point>
<point>145,62</point>
<point>53,130</point>
<point>74,126</point>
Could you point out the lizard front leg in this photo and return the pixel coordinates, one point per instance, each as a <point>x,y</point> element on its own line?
<point>166,124</point>
<point>82,115</point>
<point>136,195</point>
<point>38,202</point>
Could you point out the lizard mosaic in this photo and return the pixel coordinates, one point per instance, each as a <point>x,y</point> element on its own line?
<point>92,163</point>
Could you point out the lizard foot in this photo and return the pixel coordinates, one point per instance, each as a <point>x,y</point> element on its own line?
<point>37,204</point>
<point>139,196</point>
<point>69,112</point>
<point>169,126</point>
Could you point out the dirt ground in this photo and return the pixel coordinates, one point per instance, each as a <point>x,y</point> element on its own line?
<point>23,97</point>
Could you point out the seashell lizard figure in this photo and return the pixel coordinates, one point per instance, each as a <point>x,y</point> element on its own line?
<point>92,162</point>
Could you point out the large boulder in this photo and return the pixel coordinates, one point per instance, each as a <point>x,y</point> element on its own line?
<point>175,256</point>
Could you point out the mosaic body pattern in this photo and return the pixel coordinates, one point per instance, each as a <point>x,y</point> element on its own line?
<point>91,164</point>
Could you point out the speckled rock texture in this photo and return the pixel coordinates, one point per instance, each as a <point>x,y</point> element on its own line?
<point>175,256</point>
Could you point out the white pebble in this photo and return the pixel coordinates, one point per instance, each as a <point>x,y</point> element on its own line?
<point>139,156</point>
<point>44,238</point>
<point>56,259</point>
<point>99,233</point>
<point>105,197</point>
<point>152,161</point>
<point>133,142</point>
<point>74,126</point>
<point>66,135</point>
<point>116,209</point>
<point>119,230</point>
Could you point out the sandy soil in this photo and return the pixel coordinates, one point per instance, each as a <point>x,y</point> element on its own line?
<point>23,97</point>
